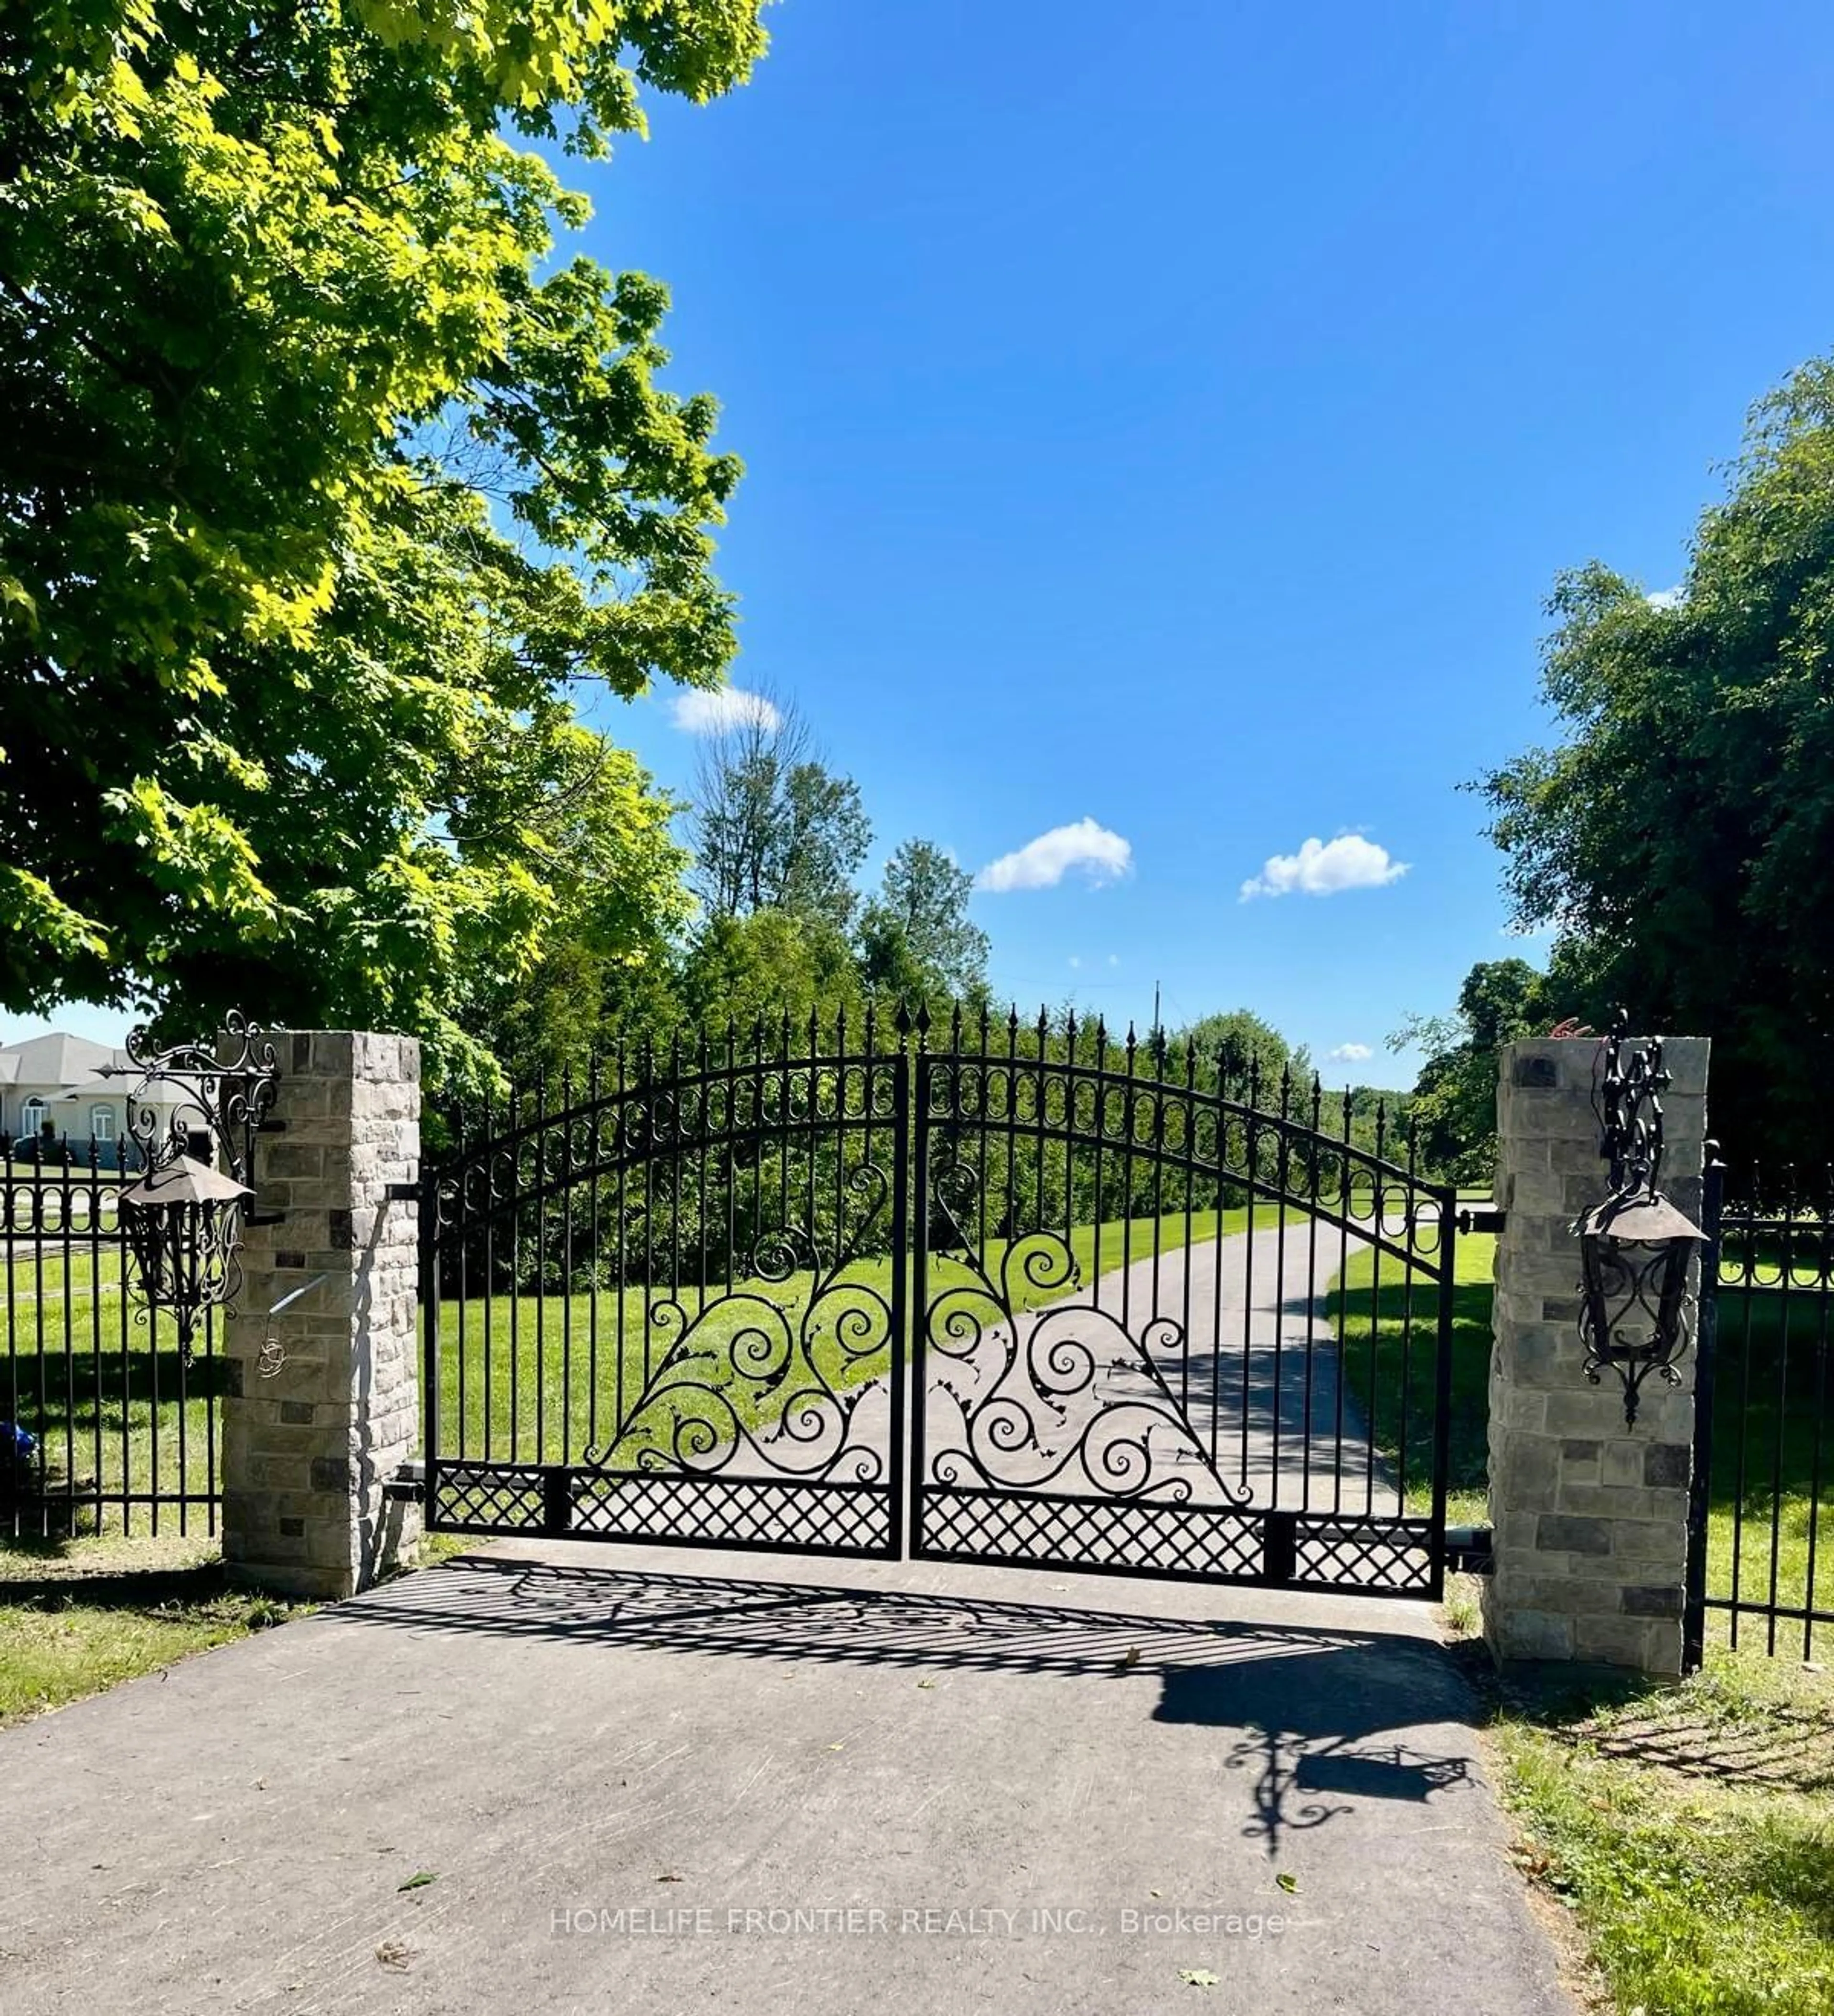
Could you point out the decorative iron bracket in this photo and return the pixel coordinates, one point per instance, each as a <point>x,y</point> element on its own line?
<point>226,1098</point>
<point>1627,1102</point>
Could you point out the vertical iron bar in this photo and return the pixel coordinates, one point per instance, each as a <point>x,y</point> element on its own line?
<point>677,1161</point>
<point>1784,1287</point>
<point>428,1229</point>
<point>730,1161</point>
<point>1158,1148</point>
<point>1313,1144</point>
<point>1129,1121</point>
<point>1191,1183</point>
<point>487,1157</point>
<point>705,1105</point>
<point>899,1065</point>
<point>539,1171</point>
<point>1706,1374</point>
<point>1442,1389</point>
<point>95,1325</point>
<point>566,1210</point>
<point>1821,1421</point>
<point>1216,1270</point>
<point>1747,1270</point>
<point>460,1236</point>
<point>1283,1173</point>
<point>126,1482</point>
<point>622,1142</point>
<point>1251,1144</point>
<point>911,1141</point>
<point>647,1071</point>
<point>596,1258</point>
<point>515,1277</point>
<point>70,1360</point>
<point>153,1369</point>
<point>1099,1081</point>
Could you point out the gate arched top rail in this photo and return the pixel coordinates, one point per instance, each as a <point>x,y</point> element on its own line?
<point>719,1105</point>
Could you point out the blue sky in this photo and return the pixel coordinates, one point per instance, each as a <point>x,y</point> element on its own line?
<point>1173,417</point>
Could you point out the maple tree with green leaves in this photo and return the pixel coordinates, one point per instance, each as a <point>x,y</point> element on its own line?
<point>326,475</point>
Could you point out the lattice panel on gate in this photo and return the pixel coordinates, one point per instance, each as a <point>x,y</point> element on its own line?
<point>501,1498</point>
<point>1140,1536</point>
<point>1382,1556</point>
<point>712,1511</point>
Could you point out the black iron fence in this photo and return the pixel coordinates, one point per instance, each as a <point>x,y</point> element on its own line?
<point>1763,1524</point>
<point>103,1427</point>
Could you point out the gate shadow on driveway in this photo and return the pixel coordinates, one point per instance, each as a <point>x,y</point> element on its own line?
<point>1303,1704</point>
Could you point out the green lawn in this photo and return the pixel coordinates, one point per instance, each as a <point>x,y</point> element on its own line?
<point>531,1389</point>
<point>79,1618</point>
<point>1688,1830</point>
<point>1374,1309</point>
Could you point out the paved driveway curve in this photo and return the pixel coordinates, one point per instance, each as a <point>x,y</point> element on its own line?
<point>628,1771</point>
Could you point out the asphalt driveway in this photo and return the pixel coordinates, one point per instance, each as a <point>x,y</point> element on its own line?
<point>666,1780</point>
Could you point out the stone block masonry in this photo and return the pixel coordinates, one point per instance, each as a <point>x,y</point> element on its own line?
<point>1589,1518</point>
<point>315,1423</point>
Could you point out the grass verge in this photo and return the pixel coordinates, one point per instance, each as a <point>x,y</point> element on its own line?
<point>1690,1832</point>
<point>78,1620</point>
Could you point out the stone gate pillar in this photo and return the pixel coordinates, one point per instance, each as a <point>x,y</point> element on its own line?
<point>1589,1518</point>
<point>321,1406</point>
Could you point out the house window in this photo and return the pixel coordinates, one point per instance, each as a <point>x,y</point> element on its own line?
<point>102,1123</point>
<point>31,1117</point>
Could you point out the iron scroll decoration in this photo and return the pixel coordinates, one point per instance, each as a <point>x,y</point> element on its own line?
<point>184,1214</point>
<point>1636,1246</point>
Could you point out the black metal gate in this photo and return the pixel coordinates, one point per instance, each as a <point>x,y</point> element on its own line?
<point>1159,1318</point>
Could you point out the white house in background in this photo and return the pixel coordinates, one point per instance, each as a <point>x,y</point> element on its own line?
<point>57,1083</point>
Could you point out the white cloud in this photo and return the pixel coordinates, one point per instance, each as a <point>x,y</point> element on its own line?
<point>1350,1054</point>
<point>1667,598</point>
<point>1322,868</point>
<point>1041,863</point>
<point>725,707</point>
<point>1075,960</point>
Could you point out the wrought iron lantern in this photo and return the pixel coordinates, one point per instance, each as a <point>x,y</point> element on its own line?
<point>194,1106</point>
<point>1635,1247</point>
<point>184,1227</point>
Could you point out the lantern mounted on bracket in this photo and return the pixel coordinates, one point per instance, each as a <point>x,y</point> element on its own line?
<point>193,1116</point>
<point>1636,1246</point>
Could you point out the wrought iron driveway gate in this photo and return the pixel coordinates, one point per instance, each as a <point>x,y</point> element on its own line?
<point>1020,1295</point>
